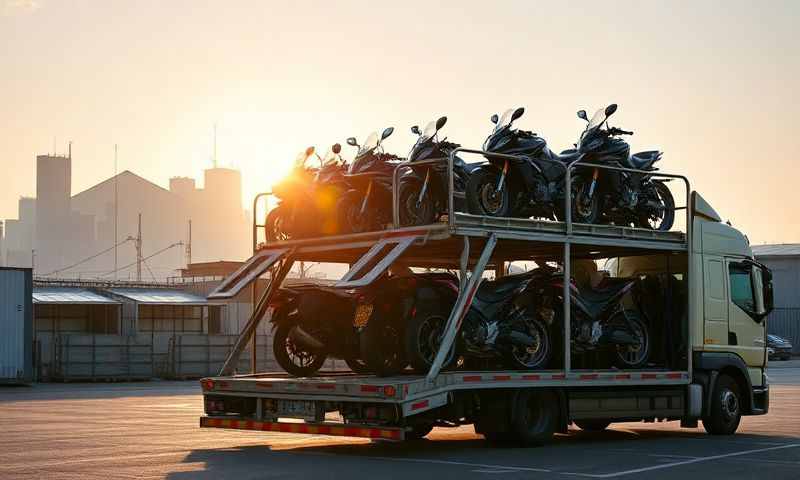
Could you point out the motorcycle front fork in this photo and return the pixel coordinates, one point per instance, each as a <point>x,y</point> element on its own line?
<point>424,188</point>
<point>502,178</point>
<point>366,198</point>
<point>593,185</point>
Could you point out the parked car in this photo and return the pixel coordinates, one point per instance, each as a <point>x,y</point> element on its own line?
<point>778,348</point>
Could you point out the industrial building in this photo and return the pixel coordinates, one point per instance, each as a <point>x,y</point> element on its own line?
<point>784,261</point>
<point>62,235</point>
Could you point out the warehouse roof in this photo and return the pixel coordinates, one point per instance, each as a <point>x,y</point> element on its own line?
<point>69,295</point>
<point>159,296</point>
<point>777,250</point>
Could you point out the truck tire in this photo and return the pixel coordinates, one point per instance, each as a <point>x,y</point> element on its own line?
<point>291,357</point>
<point>534,416</point>
<point>726,407</point>
<point>593,425</point>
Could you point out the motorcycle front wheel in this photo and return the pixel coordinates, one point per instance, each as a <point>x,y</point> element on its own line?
<point>276,225</point>
<point>631,356</point>
<point>585,208</point>
<point>349,210</point>
<point>483,197</point>
<point>423,337</point>
<point>413,210</point>
<point>292,357</point>
<point>660,218</point>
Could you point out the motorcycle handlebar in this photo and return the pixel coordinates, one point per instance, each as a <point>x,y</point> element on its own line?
<point>619,131</point>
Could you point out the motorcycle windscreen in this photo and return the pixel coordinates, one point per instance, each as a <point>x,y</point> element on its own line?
<point>376,261</point>
<point>249,272</point>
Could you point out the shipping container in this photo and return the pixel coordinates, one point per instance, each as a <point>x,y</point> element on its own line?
<point>16,325</point>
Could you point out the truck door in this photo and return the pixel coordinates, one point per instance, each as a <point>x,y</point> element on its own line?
<point>715,304</point>
<point>746,329</point>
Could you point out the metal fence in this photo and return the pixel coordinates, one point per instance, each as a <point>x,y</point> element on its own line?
<point>785,322</point>
<point>102,357</point>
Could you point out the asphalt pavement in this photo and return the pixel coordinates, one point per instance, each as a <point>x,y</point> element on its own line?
<point>150,430</point>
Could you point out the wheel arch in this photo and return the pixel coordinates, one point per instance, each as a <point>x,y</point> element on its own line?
<point>712,365</point>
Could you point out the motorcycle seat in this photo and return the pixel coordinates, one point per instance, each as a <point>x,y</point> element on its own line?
<point>567,156</point>
<point>500,289</point>
<point>644,160</point>
<point>607,290</point>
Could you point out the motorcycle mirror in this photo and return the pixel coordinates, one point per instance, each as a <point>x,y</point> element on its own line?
<point>386,133</point>
<point>337,147</point>
<point>440,123</point>
<point>494,119</point>
<point>611,109</point>
<point>582,115</point>
<point>352,142</point>
<point>415,130</point>
<point>309,151</point>
<point>517,113</point>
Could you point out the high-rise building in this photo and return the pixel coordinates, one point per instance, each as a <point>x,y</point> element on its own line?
<point>53,192</point>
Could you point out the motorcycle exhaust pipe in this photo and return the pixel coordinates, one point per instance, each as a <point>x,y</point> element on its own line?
<point>305,340</point>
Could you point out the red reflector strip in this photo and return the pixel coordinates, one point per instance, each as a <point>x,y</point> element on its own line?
<point>622,376</point>
<point>326,386</point>
<point>674,375</point>
<point>370,388</point>
<point>312,429</point>
<point>530,377</point>
<point>502,377</point>
<point>418,405</point>
<point>649,376</point>
<point>472,378</point>
<point>559,376</point>
<point>588,376</point>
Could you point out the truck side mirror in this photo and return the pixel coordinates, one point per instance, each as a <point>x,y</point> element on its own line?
<point>761,277</point>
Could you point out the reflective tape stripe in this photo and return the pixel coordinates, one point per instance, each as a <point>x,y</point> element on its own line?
<point>418,405</point>
<point>313,429</point>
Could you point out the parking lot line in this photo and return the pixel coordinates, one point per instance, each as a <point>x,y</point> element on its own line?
<point>683,462</point>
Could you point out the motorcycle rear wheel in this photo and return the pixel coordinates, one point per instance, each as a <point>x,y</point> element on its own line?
<point>423,337</point>
<point>483,197</point>
<point>536,357</point>
<point>630,356</point>
<point>292,357</point>
<point>381,345</point>
<point>349,210</point>
<point>651,220</point>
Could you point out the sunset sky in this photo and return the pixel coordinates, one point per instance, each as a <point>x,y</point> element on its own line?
<point>713,84</point>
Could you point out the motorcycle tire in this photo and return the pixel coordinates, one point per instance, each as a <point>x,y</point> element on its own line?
<point>423,337</point>
<point>276,226</point>
<point>584,210</point>
<point>350,218</point>
<point>664,196</point>
<point>381,347</point>
<point>414,212</point>
<point>625,356</point>
<point>482,197</point>
<point>520,358</point>
<point>284,348</point>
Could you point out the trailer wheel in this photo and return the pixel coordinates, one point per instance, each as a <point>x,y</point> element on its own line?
<point>593,425</point>
<point>534,416</point>
<point>292,357</point>
<point>419,430</point>
<point>726,408</point>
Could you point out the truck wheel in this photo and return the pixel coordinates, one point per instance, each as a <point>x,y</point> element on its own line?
<point>594,425</point>
<point>726,408</point>
<point>292,357</point>
<point>534,416</point>
<point>419,430</point>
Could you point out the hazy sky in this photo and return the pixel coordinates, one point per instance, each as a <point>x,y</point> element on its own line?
<point>712,84</point>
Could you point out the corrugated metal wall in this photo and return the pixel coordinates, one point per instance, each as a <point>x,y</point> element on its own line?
<point>16,326</point>
<point>785,322</point>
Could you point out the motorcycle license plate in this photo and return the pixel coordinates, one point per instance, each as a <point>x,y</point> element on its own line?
<point>363,312</point>
<point>297,409</point>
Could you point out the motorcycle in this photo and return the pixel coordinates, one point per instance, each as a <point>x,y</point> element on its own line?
<point>617,196</point>
<point>598,318</point>
<point>306,186</point>
<point>497,326</point>
<point>531,185</point>
<point>424,190</point>
<point>367,206</point>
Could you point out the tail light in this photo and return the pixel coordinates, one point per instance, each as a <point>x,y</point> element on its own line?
<point>213,406</point>
<point>389,391</point>
<point>207,384</point>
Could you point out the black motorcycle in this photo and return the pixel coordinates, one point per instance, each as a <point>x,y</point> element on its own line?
<point>308,198</point>
<point>622,198</point>
<point>497,326</point>
<point>531,185</point>
<point>425,189</point>
<point>367,206</point>
<point>599,320</point>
